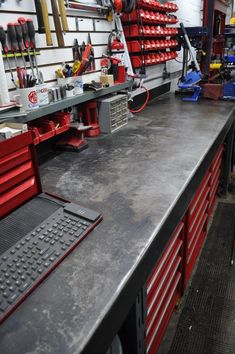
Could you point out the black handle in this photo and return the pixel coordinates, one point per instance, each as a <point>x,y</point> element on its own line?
<point>41,27</point>
<point>11,36</point>
<point>25,32</point>
<point>3,40</point>
<point>19,36</point>
<point>31,31</point>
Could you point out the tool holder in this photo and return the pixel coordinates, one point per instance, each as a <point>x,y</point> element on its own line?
<point>149,40</point>
<point>11,55</point>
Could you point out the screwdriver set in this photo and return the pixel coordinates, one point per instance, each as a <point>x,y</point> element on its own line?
<point>19,42</point>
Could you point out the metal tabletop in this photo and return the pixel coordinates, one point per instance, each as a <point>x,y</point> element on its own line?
<point>141,179</point>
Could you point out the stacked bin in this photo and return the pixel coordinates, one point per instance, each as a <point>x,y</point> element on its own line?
<point>149,40</point>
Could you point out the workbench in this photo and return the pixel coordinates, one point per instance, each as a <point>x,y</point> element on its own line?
<point>142,179</point>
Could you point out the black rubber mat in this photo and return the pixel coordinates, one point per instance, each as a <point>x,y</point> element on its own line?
<point>16,225</point>
<point>207,321</point>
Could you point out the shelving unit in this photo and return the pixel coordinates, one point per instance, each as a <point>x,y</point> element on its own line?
<point>24,117</point>
<point>146,23</point>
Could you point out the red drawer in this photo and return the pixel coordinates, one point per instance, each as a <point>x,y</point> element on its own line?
<point>18,195</point>
<point>198,197</point>
<point>194,233</point>
<point>200,211</point>
<point>218,157</point>
<point>16,175</point>
<point>160,324</point>
<point>163,261</point>
<point>14,159</point>
<point>154,304</point>
<point>61,122</point>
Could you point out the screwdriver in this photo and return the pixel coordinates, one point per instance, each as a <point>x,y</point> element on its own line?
<point>11,35</point>
<point>3,40</point>
<point>19,37</point>
<point>31,31</point>
<point>26,39</point>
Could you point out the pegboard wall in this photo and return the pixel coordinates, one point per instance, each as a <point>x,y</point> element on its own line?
<point>50,58</point>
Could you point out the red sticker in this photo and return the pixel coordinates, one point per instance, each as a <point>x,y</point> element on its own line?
<point>32,97</point>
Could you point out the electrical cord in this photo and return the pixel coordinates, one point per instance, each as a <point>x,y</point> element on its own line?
<point>141,108</point>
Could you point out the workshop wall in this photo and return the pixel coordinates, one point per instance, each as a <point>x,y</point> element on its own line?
<point>50,58</point>
<point>190,13</point>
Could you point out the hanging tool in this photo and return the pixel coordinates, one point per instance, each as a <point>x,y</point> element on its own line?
<point>19,37</point>
<point>85,59</point>
<point>92,55</point>
<point>11,36</point>
<point>46,22</point>
<point>32,43</point>
<point>63,16</point>
<point>25,32</point>
<point>57,23</point>
<point>41,27</point>
<point>3,40</point>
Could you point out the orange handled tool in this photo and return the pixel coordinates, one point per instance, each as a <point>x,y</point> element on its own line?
<point>63,16</point>
<point>57,23</point>
<point>46,22</point>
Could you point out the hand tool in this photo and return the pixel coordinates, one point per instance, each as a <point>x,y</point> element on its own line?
<point>76,50</point>
<point>85,59</point>
<point>11,36</point>
<point>19,37</point>
<point>46,22</point>
<point>41,28</point>
<point>26,39</point>
<point>3,40</point>
<point>32,43</point>
<point>92,55</point>
<point>63,16</point>
<point>57,23</point>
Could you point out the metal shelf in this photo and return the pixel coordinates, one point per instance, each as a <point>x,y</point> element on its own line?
<point>24,117</point>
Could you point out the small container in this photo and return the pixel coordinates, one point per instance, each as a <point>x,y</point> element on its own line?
<point>76,81</point>
<point>42,93</point>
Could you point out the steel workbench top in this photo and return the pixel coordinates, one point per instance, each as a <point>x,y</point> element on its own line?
<point>142,179</point>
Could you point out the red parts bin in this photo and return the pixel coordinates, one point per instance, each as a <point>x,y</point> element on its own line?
<point>149,45</point>
<point>156,5</point>
<point>147,17</point>
<point>149,31</point>
<point>137,61</point>
<point>61,121</point>
<point>42,129</point>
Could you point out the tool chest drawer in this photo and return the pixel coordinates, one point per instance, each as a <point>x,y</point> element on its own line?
<point>18,175</point>
<point>215,169</point>
<point>163,290</point>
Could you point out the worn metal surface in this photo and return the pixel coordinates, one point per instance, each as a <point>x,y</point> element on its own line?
<point>142,179</point>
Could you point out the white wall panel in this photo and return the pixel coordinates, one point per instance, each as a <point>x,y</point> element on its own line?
<point>50,58</point>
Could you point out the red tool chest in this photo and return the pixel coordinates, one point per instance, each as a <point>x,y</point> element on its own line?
<point>163,290</point>
<point>19,179</point>
<point>172,272</point>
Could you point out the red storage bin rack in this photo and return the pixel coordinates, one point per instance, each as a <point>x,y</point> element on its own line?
<point>149,17</point>
<point>151,45</point>
<point>152,59</point>
<point>156,5</point>
<point>61,122</point>
<point>163,290</point>
<point>42,129</point>
<point>19,179</point>
<point>149,31</point>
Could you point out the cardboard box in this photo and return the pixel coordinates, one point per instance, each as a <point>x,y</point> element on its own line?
<point>8,130</point>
